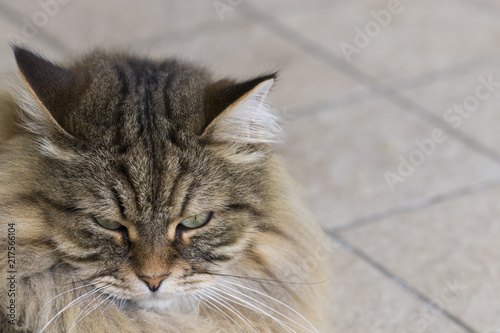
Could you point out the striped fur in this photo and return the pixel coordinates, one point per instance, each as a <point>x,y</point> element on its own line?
<point>149,143</point>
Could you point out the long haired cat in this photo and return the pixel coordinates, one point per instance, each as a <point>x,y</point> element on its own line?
<point>144,196</point>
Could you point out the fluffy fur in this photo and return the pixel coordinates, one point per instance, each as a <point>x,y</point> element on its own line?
<point>148,144</point>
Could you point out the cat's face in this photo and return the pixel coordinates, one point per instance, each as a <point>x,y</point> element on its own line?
<point>136,221</point>
<point>151,178</point>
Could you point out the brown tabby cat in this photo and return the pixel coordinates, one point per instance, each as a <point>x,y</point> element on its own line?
<point>143,196</point>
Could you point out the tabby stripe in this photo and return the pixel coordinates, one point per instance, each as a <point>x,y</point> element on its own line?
<point>262,227</point>
<point>167,103</point>
<point>88,258</point>
<point>211,257</point>
<point>188,274</point>
<point>38,198</point>
<point>123,170</point>
<point>192,282</point>
<point>224,240</point>
<point>175,184</point>
<point>250,254</point>
<point>124,92</point>
<point>187,197</point>
<point>172,130</point>
<point>138,83</point>
<point>157,178</point>
<point>267,227</point>
<point>245,207</point>
<point>119,202</point>
<point>149,119</point>
<point>148,87</point>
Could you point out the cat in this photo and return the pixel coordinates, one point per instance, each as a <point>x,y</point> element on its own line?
<point>141,195</point>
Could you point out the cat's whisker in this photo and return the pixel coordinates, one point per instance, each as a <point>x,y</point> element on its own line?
<point>275,300</point>
<point>68,275</point>
<point>95,307</point>
<point>77,320</point>
<point>203,301</point>
<point>72,303</point>
<point>193,301</point>
<point>231,308</point>
<point>111,301</point>
<point>91,278</point>
<point>247,305</point>
<point>65,292</point>
<point>121,302</point>
<point>254,307</point>
<point>222,311</point>
<point>287,318</point>
<point>251,306</point>
<point>263,280</point>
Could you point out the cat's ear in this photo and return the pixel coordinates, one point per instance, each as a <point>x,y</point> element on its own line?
<point>237,113</point>
<point>52,89</point>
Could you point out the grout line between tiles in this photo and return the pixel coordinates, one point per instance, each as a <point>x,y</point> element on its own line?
<point>437,199</point>
<point>400,282</point>
<point>11,16</point>
<point>379,89</point>
<point>307,45</point>
<point>445,73</point>
<point>422,113</point>
<point>414,82</point>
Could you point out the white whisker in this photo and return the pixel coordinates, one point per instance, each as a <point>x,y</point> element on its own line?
<point>245,304</point>
<point>254,307</point>
<point>110,302</point>
<point>221,311</point>
<point>277,301</point>
<point>75,301</point>
<point>215,297</point>
<point>65,292</point>
<point>76,321</point>
<point>122,301</point>
<point>72,276</point>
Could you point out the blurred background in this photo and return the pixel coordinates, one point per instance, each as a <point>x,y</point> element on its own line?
<point>392,130</point>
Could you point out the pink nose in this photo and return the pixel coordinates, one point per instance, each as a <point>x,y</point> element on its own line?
<point>153,282</point>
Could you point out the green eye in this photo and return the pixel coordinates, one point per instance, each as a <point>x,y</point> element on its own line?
<point>108,224</point>
<point>197,220</point>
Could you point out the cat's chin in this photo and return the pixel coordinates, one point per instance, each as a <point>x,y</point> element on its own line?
<point>161,303</point>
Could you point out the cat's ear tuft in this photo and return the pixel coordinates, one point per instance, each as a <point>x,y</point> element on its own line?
<point>238,112</point>
<point>52,87</point>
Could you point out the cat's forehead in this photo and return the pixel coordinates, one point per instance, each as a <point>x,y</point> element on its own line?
<point>124,96</point>
<point>163,179</point>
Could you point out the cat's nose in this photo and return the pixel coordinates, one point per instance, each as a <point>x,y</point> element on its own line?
<point>153,282</point>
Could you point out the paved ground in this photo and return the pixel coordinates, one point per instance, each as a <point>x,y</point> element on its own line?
<point>393,131</point>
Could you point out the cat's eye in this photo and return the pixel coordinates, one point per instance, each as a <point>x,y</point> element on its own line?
<point>196,221</point>
<point>108,224</point>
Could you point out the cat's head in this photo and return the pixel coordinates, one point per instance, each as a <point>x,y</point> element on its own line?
<point>147,177</point>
